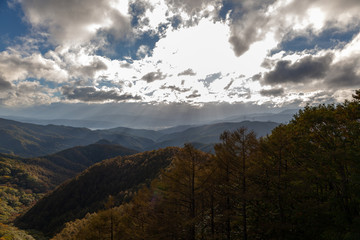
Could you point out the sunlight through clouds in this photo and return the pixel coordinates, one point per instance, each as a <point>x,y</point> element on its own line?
<point>185,51</point>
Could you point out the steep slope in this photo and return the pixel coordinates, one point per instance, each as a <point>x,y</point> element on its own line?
<point>23,181</point>
<point>68,163</point>
<point>89,191</point>
<point>208,134</point>
<point>19,187</point>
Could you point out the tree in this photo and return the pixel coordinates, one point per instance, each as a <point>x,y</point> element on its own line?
<point>234,155</point>
<point>182,185</point>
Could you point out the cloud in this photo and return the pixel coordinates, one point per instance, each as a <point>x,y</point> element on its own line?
<point>90,70</point>
<point>176,21</point>
<point>174,88</point>
<point>229,85</point>
<point>301,71</point>
<point>153,76</point>
<point>73,22</point>
<point>91,94</point>
<point>195,94</point>
<point>142,51</point>
<point>187,72</point>
<point>249,24</point>
<point>4,85</point>
<point>15,66</point>
<point>27,93</point>
<point>191,7</point>
<point>272,92</point>
<point>256,77</point>
<point>344,74</point>
<point>251,21</point>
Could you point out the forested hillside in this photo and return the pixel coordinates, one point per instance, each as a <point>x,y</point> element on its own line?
<point>119,177</point>
<point>24,181</point>
<point>300,182</point>
<point>68,163</point>
<point>19,187</point>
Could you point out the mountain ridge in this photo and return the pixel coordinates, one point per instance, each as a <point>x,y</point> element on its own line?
<point>31,140</point>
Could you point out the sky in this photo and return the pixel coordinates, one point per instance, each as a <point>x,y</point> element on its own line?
<point>256,55</point>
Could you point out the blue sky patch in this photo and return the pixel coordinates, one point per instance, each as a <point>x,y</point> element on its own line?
<point>328,39</point>
<point>11,24</point>
<point>122,50</point>
<point>210,78</point>
<point>44,82</point>
<point>232,7</point>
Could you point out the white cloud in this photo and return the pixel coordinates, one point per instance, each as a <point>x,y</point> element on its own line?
<point>76,22</point>
<point>28,93</point>
<point>14,67</point>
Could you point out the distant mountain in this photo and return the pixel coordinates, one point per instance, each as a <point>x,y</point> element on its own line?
<point>92,124</point>
<point>89,191</point>
<point>176,129</point>
<point>209,134</point>
<point>142,133</point>
<point>281,117</point>
<point>31,140</point>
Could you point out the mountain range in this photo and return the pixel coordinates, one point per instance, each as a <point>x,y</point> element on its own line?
<point>32,140</point>
<point>152,118</point>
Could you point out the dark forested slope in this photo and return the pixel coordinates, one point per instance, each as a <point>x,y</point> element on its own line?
<point>89,191</point>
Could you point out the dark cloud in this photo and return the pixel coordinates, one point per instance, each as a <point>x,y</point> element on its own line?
<point>272,92</point>
<point>195,94</point>
<point>267,63</point>
<point>153,76</point>
<point>188,72</point>
<point>344,74</point>
<point>228,86</point>
<point>248,23</point>
<point>239,44</point>
<point>120,31</point>
<point>91,94</point>
<point>304,70</point>
<point>329,37</point>
<point>256,77</point>
<point>125,65</point>
<point>93,67</point>
<point>4,85</point>
<point>174,88</point>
